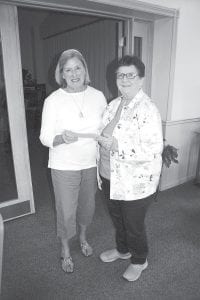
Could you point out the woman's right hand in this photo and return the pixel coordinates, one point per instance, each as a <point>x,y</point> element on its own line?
<point>69,137</point>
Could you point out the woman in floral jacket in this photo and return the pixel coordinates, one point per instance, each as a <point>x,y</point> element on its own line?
<point>130,164</point>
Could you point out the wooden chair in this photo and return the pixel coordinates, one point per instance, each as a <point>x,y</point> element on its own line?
<point>1,246</point>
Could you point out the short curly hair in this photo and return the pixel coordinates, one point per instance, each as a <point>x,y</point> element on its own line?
<point>132,60</point>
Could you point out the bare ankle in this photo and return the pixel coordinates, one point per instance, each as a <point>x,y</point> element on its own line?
<point>82,234</point>
<point>65,251</point>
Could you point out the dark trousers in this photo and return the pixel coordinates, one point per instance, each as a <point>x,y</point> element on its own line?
<point>128,219</point>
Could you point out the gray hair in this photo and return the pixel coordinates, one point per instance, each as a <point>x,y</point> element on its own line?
<point>64,57</point>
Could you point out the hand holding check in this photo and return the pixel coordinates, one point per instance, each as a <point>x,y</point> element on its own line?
<point>106,141</point>
<point>71,135</point>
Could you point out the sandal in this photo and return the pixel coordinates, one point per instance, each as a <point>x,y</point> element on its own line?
<point>67,264</point>
<point>86,249</point>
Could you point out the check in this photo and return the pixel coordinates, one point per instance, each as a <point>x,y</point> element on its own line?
<point>82,135</point>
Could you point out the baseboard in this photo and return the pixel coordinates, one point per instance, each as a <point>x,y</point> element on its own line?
<point>178,122</point>
<point>164,187</point>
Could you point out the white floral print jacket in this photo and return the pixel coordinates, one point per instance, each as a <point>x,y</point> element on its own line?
<point>136,167</point>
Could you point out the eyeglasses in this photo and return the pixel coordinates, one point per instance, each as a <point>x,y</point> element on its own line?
<point>126,75</point>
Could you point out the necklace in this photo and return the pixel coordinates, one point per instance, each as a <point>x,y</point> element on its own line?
<point>79,107</point>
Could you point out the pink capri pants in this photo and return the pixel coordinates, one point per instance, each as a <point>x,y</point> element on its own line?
<point>74,198</point>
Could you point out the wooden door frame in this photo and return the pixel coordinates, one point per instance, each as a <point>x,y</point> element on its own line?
<point>24,204</point>
<point>111,8</point>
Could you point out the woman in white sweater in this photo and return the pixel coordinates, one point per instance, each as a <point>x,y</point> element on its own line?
<point>74,107</point>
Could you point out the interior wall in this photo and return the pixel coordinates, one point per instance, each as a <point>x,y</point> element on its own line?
<point>25,41</point>
<point>31,42</point>
<point>98,48</point>
<point>42,44</point>
<point>52,24</point>
<point>161,64</point>
<point>186,93</point>
<point>183,120</point>
<point>186,98</point>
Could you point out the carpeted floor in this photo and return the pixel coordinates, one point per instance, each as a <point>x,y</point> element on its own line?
<point>31,265</point>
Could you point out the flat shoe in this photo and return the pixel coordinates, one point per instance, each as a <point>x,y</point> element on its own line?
<point>67,264</point>
<point>134,271</point>
<point>113,254</point>
<point>86,249</point>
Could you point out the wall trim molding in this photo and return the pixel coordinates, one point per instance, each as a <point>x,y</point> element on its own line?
<point>178,122</point>
<point>98,5</point>
<point>142,6</point>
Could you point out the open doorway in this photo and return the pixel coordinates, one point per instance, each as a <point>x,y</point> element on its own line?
<point>159,30</point>
<point>43,36</point>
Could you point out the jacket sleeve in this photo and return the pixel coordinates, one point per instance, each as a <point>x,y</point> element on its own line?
<point>48,123</point>
<point>145,141</point>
